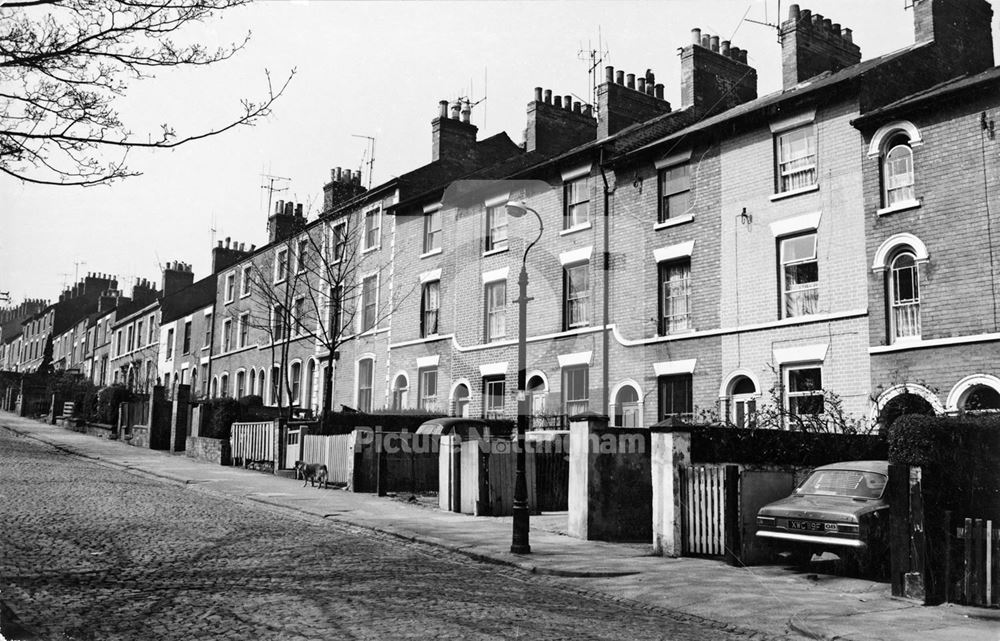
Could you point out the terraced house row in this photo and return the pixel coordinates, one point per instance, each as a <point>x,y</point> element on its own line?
<point>831,241</point>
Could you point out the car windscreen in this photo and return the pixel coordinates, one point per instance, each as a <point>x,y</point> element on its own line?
<point>848,483</point>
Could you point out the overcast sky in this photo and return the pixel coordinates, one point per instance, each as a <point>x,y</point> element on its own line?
<point>368,68</point>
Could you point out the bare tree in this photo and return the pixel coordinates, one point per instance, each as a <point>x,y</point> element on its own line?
<point>316,289</point>
<point>64,64</point>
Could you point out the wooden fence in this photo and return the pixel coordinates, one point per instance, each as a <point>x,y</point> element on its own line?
<point>703,503</point>
<point>977,542</point>
<point>253,442</point>
<point>335,452</point>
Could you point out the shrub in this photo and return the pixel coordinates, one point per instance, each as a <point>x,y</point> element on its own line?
<point>108,400</point>
<point>711,444</point>
<point>222,413</point>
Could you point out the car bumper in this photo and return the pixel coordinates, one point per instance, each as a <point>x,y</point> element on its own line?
<point>814,540</point>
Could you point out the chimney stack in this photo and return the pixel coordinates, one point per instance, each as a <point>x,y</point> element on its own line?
<point>620,103</point>
<point>556,127</point>
<point>811,46</point>
<point>177,276</point>
<point>342,187</point>
<point>961,31</point>
<point>453,139</point>
<point>715,77</point>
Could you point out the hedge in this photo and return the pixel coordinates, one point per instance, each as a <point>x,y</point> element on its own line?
<point>960,454</point>
<point>710,444</point>
<point>347,422</point>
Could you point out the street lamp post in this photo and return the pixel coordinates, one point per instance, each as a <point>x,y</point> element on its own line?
<point>519,543</point>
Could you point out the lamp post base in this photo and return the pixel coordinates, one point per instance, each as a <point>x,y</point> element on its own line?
<point>519,544</point>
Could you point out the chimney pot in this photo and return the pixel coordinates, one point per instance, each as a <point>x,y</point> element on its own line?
<point>456,109</point>
<point>220,244</point>
<point>706,41</point>
<point>658,91</point>
<point>696,36</point>
<point>538,94</point>
<point>713,43</point>
<point>548,96</point>
<point>641,85</point>
<point>817,20</point>
<point>298,210</point>
<point>252,247</point>
<point>805,18</point>
<point>466,113</point>
<point>724,48</point>
<point>609,74</point>
<point>650,78</point>
<point>340,174</point>
<point>557,101</point>
<point>587,110</point>
<point>793,12</point>
<point>630,81</point>
<point>442,109</point>
<point>568,103</point>
<point>836,29</point>
<point>576,107</point>
<point>619,77</point>
<point>828,24</point>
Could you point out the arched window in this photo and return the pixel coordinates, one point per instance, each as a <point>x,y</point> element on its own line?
<point>260,384</point>
<point>741,402</point>
<point>275,385</point>
<point>253,381</point>
<point>461,400</point>
<point>980,398</point>
<point>627,408</point>
<point>904,296</point>
<point>241,379</point>
<point>897,172</point>
<point>215,387</point>
<point>400,387</point>
<point>224,385</point>
<point>366,381</point>
<point>295,374</point>
<point>310,375</point>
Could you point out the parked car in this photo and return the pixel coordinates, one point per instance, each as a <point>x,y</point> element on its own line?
<point>839,508</point>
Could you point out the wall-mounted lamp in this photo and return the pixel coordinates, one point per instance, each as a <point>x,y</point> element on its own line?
<point>745,218</point>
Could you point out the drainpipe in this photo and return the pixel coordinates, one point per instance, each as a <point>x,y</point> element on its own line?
<point>607,273</point>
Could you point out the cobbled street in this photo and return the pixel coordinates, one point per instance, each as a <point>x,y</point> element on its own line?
<point>88,551</point>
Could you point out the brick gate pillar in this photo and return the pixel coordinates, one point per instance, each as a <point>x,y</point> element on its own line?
<point>671,449</point>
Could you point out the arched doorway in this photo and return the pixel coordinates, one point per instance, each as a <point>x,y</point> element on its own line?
<point>536,390</point>
<point>627,407</point>
<point>902,404</point>
<point>400,391</point>
<point>460,400</point>
<point>741,402</point>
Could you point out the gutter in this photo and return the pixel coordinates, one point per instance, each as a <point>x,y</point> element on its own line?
<point>607,274</point>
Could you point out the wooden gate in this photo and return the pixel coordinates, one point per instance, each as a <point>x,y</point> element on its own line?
<point>703,523</point>
<point>252,442</point>
<point>978,565</point>
<point>293,446</point>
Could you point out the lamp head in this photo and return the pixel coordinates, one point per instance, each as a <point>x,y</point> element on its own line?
<point>516,208</point>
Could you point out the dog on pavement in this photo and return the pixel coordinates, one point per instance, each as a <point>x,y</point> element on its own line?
<point>312,473</point>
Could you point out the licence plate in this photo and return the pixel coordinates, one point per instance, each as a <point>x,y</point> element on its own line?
<point>812,526</point>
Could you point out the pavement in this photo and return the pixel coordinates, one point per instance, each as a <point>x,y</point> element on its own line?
<point>774,600</point>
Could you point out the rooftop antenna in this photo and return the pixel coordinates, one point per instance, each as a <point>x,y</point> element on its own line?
<point>370,154</point>
<point>213,229</point>
<point>596,58</point>
<point>767,22</point>
<point>76,273</point>
<point>65,280</point>
<point>269,181</point>
<point>4,297</point>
